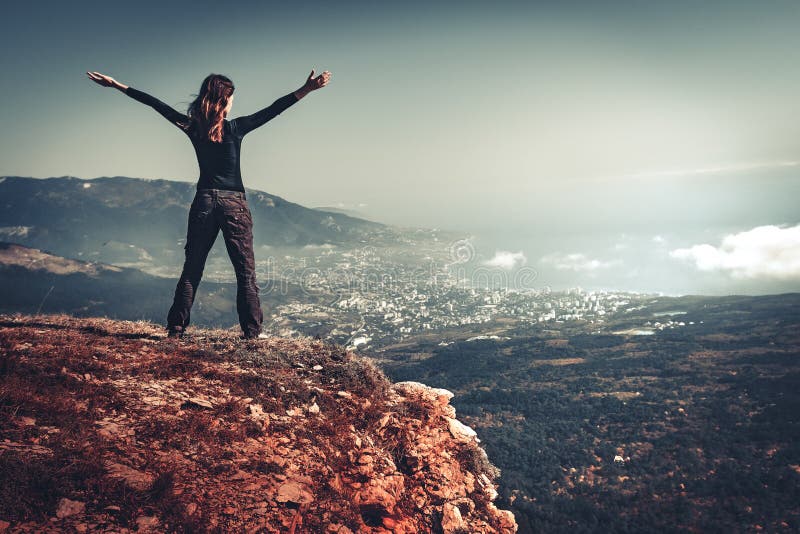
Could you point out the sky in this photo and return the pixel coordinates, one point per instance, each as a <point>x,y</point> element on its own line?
<point>640,145</point>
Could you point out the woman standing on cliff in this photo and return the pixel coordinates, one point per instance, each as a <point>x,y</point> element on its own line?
<point>220,202</point>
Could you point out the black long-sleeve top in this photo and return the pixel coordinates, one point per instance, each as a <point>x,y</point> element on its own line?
<point>219,162</point>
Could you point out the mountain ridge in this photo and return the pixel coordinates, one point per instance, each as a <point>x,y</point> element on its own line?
<point>128,220</point>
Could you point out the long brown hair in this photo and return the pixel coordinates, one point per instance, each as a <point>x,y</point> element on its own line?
<point>206,111</point>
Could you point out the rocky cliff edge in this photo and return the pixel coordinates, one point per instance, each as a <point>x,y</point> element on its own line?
<point>109,426</point>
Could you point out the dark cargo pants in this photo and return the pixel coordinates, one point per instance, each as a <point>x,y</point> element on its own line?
<point>213,210</point>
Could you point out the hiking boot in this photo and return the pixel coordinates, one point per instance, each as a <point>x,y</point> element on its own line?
<point>262,335</point>
<point>175,334</point>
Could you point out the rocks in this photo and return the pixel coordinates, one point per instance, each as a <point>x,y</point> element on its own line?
<point>197,402</point>
<point>147,524</point>
<point>114,430</point>
<point>452,521</point>
<point>459,430</point>
<point>438,439</point>
<point>240,475</point>
<point>486,486</point>
<point>444,395</point>
<point>418,390</point>
<point>381,492</point>
<point>258,414</point>
<point>134,479</point>
<point>67,508</point>
<point>506,522</point>
<point>293,491</point>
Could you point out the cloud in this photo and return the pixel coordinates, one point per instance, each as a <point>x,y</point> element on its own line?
<point>506,260</point>
<point>718,169</point>
<point>623,242</point>
<point>763,252</point>
<point>577,262</point>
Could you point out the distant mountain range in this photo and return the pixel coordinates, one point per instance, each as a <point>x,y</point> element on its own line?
<point>131,220</point>
<point>343,211</point>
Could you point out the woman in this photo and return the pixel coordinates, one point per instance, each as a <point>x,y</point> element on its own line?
<point>220,202</point>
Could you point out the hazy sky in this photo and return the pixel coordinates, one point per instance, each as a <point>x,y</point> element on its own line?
<point>618,131</point>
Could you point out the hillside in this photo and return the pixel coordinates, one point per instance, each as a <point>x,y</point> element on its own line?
<point>109,425</point>
<point>135,221</point>
<point>680,415</point>
<point>36,281</point>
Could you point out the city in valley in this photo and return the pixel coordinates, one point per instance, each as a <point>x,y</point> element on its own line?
<point>373,297</point>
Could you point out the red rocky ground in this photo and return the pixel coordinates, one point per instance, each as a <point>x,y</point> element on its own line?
<point>109,426</point>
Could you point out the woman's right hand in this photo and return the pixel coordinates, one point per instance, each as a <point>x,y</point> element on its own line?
<point>105,81</point>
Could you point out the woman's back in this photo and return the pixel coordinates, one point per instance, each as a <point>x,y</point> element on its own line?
<point>219,162</point>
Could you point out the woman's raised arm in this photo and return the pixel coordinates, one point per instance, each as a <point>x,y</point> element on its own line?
<point>247,123</point>
<point>175,117</point>
<point>105,81</point>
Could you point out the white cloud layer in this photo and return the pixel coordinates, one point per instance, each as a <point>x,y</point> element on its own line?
<point>577,262</point>
<point>718,169</point>
<point>506,260</point>
<point>763,252</point>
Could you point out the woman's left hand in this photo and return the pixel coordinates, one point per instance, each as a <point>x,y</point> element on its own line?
<point>318,82</point>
